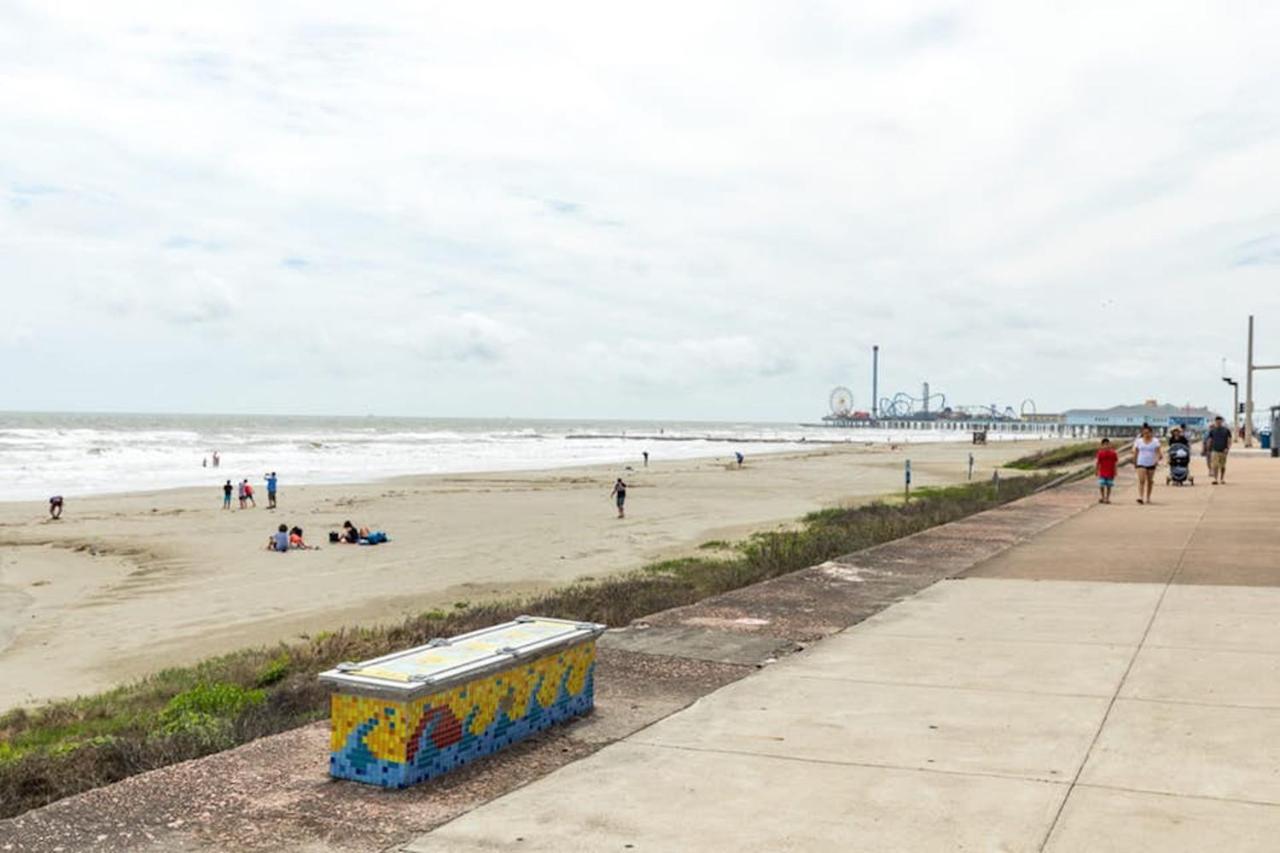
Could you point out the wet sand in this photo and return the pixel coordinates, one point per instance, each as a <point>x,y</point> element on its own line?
<point>125,585</point>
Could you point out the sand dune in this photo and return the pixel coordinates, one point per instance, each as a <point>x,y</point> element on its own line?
<point>125,585</point>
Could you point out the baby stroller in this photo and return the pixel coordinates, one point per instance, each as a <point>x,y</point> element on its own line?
<point>1179,466</point>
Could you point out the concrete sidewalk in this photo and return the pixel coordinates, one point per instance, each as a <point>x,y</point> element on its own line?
<point>1111,684</point>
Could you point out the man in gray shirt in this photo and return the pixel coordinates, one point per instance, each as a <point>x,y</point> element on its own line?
<point>1219,439</point>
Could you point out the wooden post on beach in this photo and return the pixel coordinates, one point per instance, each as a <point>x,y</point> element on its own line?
<point>906,498</point>
<point>970,466</point>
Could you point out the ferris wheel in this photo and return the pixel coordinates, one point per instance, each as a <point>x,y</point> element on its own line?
<point>841,401</point>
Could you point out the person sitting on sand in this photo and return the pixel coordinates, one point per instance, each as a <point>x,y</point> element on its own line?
<point>55,507</point>
<point>296,542</point>
<point>279,541</point>
<point>351,535</point>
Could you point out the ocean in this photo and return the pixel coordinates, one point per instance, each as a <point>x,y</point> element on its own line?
<point>43,454</point>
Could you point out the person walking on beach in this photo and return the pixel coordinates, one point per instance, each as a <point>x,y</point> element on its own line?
<point>1219,439</point>
<point>55,507</point>
<point>740,458</point>
<point>1105,467</point>
<point>226,495</point>
<point>646,459</point>
<point>1147,455</point>
<point>619,494</point>
<point>248,494</point>
<point>271,489</point>
<point>240,492</point>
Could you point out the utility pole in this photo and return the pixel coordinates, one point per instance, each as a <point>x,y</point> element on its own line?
<point>1248,388</point>
<point>1248,392</point>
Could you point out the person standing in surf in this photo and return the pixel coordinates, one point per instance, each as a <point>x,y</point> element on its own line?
<point>1147,455</point>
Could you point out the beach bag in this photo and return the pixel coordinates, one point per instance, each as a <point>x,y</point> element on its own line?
<point>334,536</point>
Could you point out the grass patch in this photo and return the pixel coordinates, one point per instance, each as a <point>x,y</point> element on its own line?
<point>1058,457</point>
<point>181,713</point>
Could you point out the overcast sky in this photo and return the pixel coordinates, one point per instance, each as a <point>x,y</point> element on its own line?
<point>684,210</point>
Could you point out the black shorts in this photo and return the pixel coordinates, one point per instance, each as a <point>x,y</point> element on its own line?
<point>1146,467</point>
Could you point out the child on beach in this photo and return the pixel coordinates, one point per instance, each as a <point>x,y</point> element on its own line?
<point>226,496</point>
<point>619,494</point>
<point>279,541</point>
<point>248,494</point>
<point>271,489</point>
<point>1105,467</point>
<point>240,493</point>
<point>55,507</point>
<point>296,542</point>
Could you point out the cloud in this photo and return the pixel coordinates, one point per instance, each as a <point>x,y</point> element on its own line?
<point>723,205</point>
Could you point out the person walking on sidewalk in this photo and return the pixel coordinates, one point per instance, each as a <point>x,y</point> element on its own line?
<point>1146,456</point>
<point>1219,440</point>
<point>1105,467</point>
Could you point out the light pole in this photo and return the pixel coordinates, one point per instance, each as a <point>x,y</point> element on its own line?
<point>1235,403</point>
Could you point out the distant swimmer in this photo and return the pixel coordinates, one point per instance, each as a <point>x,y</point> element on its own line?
<point>271,489</point>
<point>204,463</point>
<point>216,459</point>
<point>226,495</point>
<point>55,507</point>
<point>619,494</point>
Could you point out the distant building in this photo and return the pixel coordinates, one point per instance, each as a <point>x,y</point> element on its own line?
<point>1042,418</point>
<point>1129,419</point>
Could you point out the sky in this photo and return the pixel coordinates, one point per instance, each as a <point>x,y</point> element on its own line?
<point>660,210</point>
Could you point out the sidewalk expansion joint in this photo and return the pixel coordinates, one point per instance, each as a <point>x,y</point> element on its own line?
<point>969,688</point>
<point>873,765</point>
<point>1155,611</point>
<point>1271,804</point>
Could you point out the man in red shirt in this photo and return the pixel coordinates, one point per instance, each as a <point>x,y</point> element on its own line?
<point>1105,465</point>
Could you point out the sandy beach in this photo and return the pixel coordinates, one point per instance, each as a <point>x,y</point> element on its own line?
<point>125,585</point>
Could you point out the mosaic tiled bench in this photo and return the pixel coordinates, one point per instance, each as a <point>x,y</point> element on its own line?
<point>407,717</point>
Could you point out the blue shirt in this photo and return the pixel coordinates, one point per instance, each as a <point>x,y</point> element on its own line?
<point>282,540</point>
<point>271,484</point>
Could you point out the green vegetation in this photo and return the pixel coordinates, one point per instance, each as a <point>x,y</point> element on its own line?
<point>1058,457</point>
<point>69,746</point>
